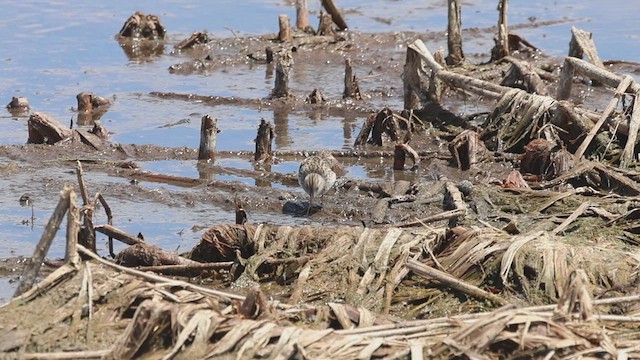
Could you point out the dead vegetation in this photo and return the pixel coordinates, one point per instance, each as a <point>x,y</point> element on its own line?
<point>543,263</point>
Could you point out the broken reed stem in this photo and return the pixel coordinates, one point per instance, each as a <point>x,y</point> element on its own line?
<point>335,14</point>
<point>302,15</point>
<point>83,188</point>
<point>622,88</point>
<point>454,33</point>
<point>31,271</point>
<point>208,131</point>
<point>634,127</point>
<point>574,215</point>
<point>73,229</point>
<point>284,35</point>
<point>452,282</point>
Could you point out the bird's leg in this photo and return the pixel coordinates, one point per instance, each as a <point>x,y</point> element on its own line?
<point>310,204</point>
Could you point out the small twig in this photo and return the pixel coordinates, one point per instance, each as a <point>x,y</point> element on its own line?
<point>83,188</point>
<point>186,269</point>
<point>452,282</point>
<point>579,211</point>
<point>433,218</point>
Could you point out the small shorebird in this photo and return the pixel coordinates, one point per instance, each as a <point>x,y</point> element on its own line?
<point>316,175</point>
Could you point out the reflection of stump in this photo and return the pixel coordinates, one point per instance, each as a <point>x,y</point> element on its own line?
<point>283,68</point>
<point>208,131</point>
<point>263,142</point>
<point>43,129</point>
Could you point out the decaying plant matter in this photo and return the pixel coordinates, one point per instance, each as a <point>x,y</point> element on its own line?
<point>538,262</point>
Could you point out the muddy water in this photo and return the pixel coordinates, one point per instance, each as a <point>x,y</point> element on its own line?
<point>51,50</point>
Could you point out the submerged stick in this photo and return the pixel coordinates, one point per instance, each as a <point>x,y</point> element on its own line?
<point>31,271</point>
<point>452,282</point>
<point>208,131</point>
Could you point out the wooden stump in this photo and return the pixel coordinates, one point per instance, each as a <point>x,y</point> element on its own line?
<point>141,26</point>
<point>269,54</point>
<point>316,97</point>
<point>325,27</point>
<point>18,103</point>
<point>501,49</point>
<point>208,131</point>
<point>582,44</point>
<point>283,68</point>
<point>44,129</point>
<point>413,87</point>
<point>302,15</point>
<point>351,88</point>
<point>264,141</point>
<point>284,35</point>
<point>454,33</point>
<point>399,157</point>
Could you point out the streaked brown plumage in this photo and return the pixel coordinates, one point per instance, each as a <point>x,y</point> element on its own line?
<point>316,175</point>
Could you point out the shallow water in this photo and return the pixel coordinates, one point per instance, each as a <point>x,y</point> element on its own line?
<point>52,50</point>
